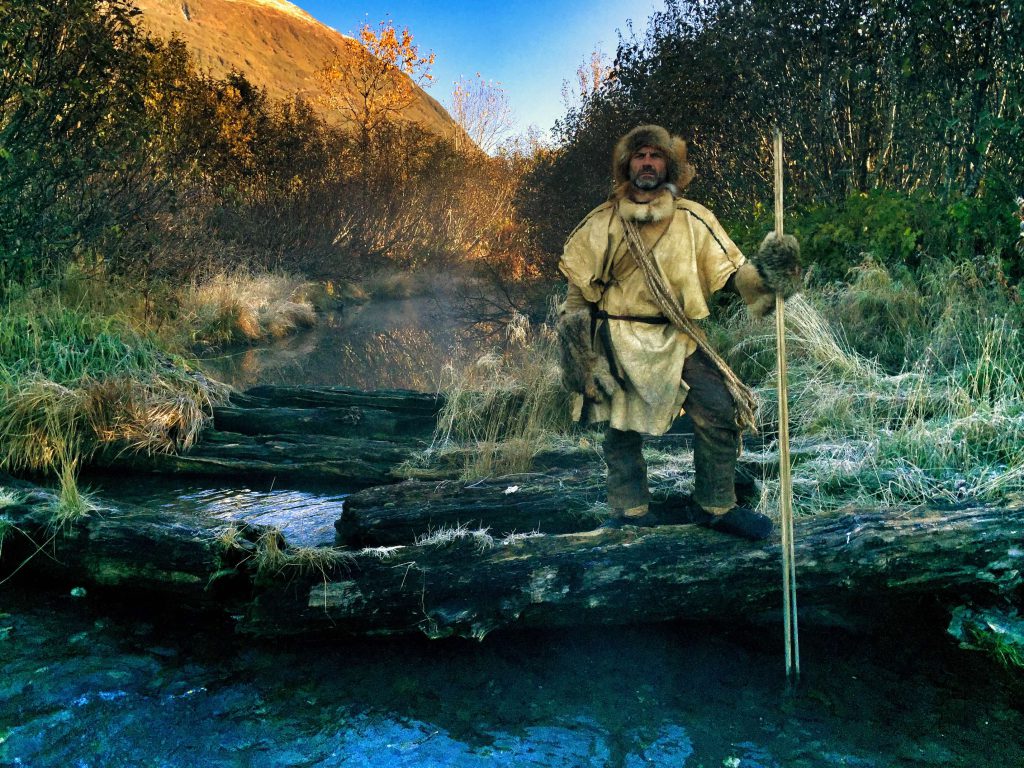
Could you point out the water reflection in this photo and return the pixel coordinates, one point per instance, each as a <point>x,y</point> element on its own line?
<point>398,344</point>
<point>305,517</point>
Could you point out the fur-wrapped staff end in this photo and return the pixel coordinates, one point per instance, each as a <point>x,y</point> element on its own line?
<point>583,369</point>
<point>778,263</point>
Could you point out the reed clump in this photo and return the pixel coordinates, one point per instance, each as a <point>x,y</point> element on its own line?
<point>505,407</point>
<point>243,308</point>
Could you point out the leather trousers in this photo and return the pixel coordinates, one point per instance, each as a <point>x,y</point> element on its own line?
<point>716,441</point>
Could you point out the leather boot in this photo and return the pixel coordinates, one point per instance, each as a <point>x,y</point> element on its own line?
<point>740,521</point>
<point>639,517</point>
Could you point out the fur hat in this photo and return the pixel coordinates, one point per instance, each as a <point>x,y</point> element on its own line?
<point>678,171</point>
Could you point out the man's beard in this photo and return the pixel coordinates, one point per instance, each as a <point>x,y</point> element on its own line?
<point>645,181</point>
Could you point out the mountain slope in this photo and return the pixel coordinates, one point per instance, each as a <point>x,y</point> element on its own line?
<point>275,44</point>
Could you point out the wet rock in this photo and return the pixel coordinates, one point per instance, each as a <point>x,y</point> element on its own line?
<point>670,747</point>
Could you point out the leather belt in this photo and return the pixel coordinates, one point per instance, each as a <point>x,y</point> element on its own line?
<point>600,314</point>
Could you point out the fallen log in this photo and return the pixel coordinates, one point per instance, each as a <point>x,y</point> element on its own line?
<point>356,439</point>
<point>191,559</point>
<point>300,434</point>
<point>468,583</point>
<point>380,415</point>
<point>402,402</point>
<point>558,501</point>
<point>285,458</point>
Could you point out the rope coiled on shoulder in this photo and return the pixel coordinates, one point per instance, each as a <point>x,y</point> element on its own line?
<point>742,395</point>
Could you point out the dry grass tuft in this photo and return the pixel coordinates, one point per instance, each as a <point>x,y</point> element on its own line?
<point>73,380</point>
<point>231,536</point>
<point>283,318</point>
<point>506,406</point>
<point>45,420</point>
<point>244,308</point>
<point>72,503</point>
<point>270,556</point>
<point>274,558</point>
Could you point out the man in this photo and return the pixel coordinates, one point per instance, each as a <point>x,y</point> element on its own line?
<point>643,257</point>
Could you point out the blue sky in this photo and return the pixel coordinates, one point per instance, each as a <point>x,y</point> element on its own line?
<point>530,47</point>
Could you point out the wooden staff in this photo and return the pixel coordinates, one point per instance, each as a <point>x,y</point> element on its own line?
<point>792,634</point>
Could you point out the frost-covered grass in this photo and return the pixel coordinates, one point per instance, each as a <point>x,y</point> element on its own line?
<point>480,537</point>
<point>946,424</point>
<point>441,537</point>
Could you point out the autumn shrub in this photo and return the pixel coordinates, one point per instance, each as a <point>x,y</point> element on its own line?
<point>71,126</point>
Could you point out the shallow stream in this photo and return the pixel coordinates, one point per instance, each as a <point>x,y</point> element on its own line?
<point>85,682</point>
<point>82,685</point>
<point>394,344</point>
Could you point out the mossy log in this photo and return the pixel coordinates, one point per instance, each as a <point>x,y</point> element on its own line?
<point>300,434</point>
<point>468,583</point>
<point>380,415</point>
<point>558,501</point>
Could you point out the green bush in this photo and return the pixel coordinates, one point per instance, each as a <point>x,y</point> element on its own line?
<point>70,118</point>
<point>909,235</point>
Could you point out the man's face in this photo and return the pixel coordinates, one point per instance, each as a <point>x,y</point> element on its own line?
<point>647,168</point>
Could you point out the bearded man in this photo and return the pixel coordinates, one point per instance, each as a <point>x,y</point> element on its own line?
<point>641,268</point>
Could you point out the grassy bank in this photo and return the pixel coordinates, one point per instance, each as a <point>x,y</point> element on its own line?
<point>90,363</point>
<point>945,424</point>
<point>73,379</point>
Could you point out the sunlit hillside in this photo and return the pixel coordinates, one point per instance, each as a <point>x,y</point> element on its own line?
<point>274,43</point>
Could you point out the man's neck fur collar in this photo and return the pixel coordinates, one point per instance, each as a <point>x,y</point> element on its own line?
<point>661,207</point>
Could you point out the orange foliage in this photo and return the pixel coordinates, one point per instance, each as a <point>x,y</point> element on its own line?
<point>377,82</point>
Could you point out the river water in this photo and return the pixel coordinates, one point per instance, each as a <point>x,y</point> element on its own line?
<point>395,344</point>
<point>85,681</point>
<point>86,684</point>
